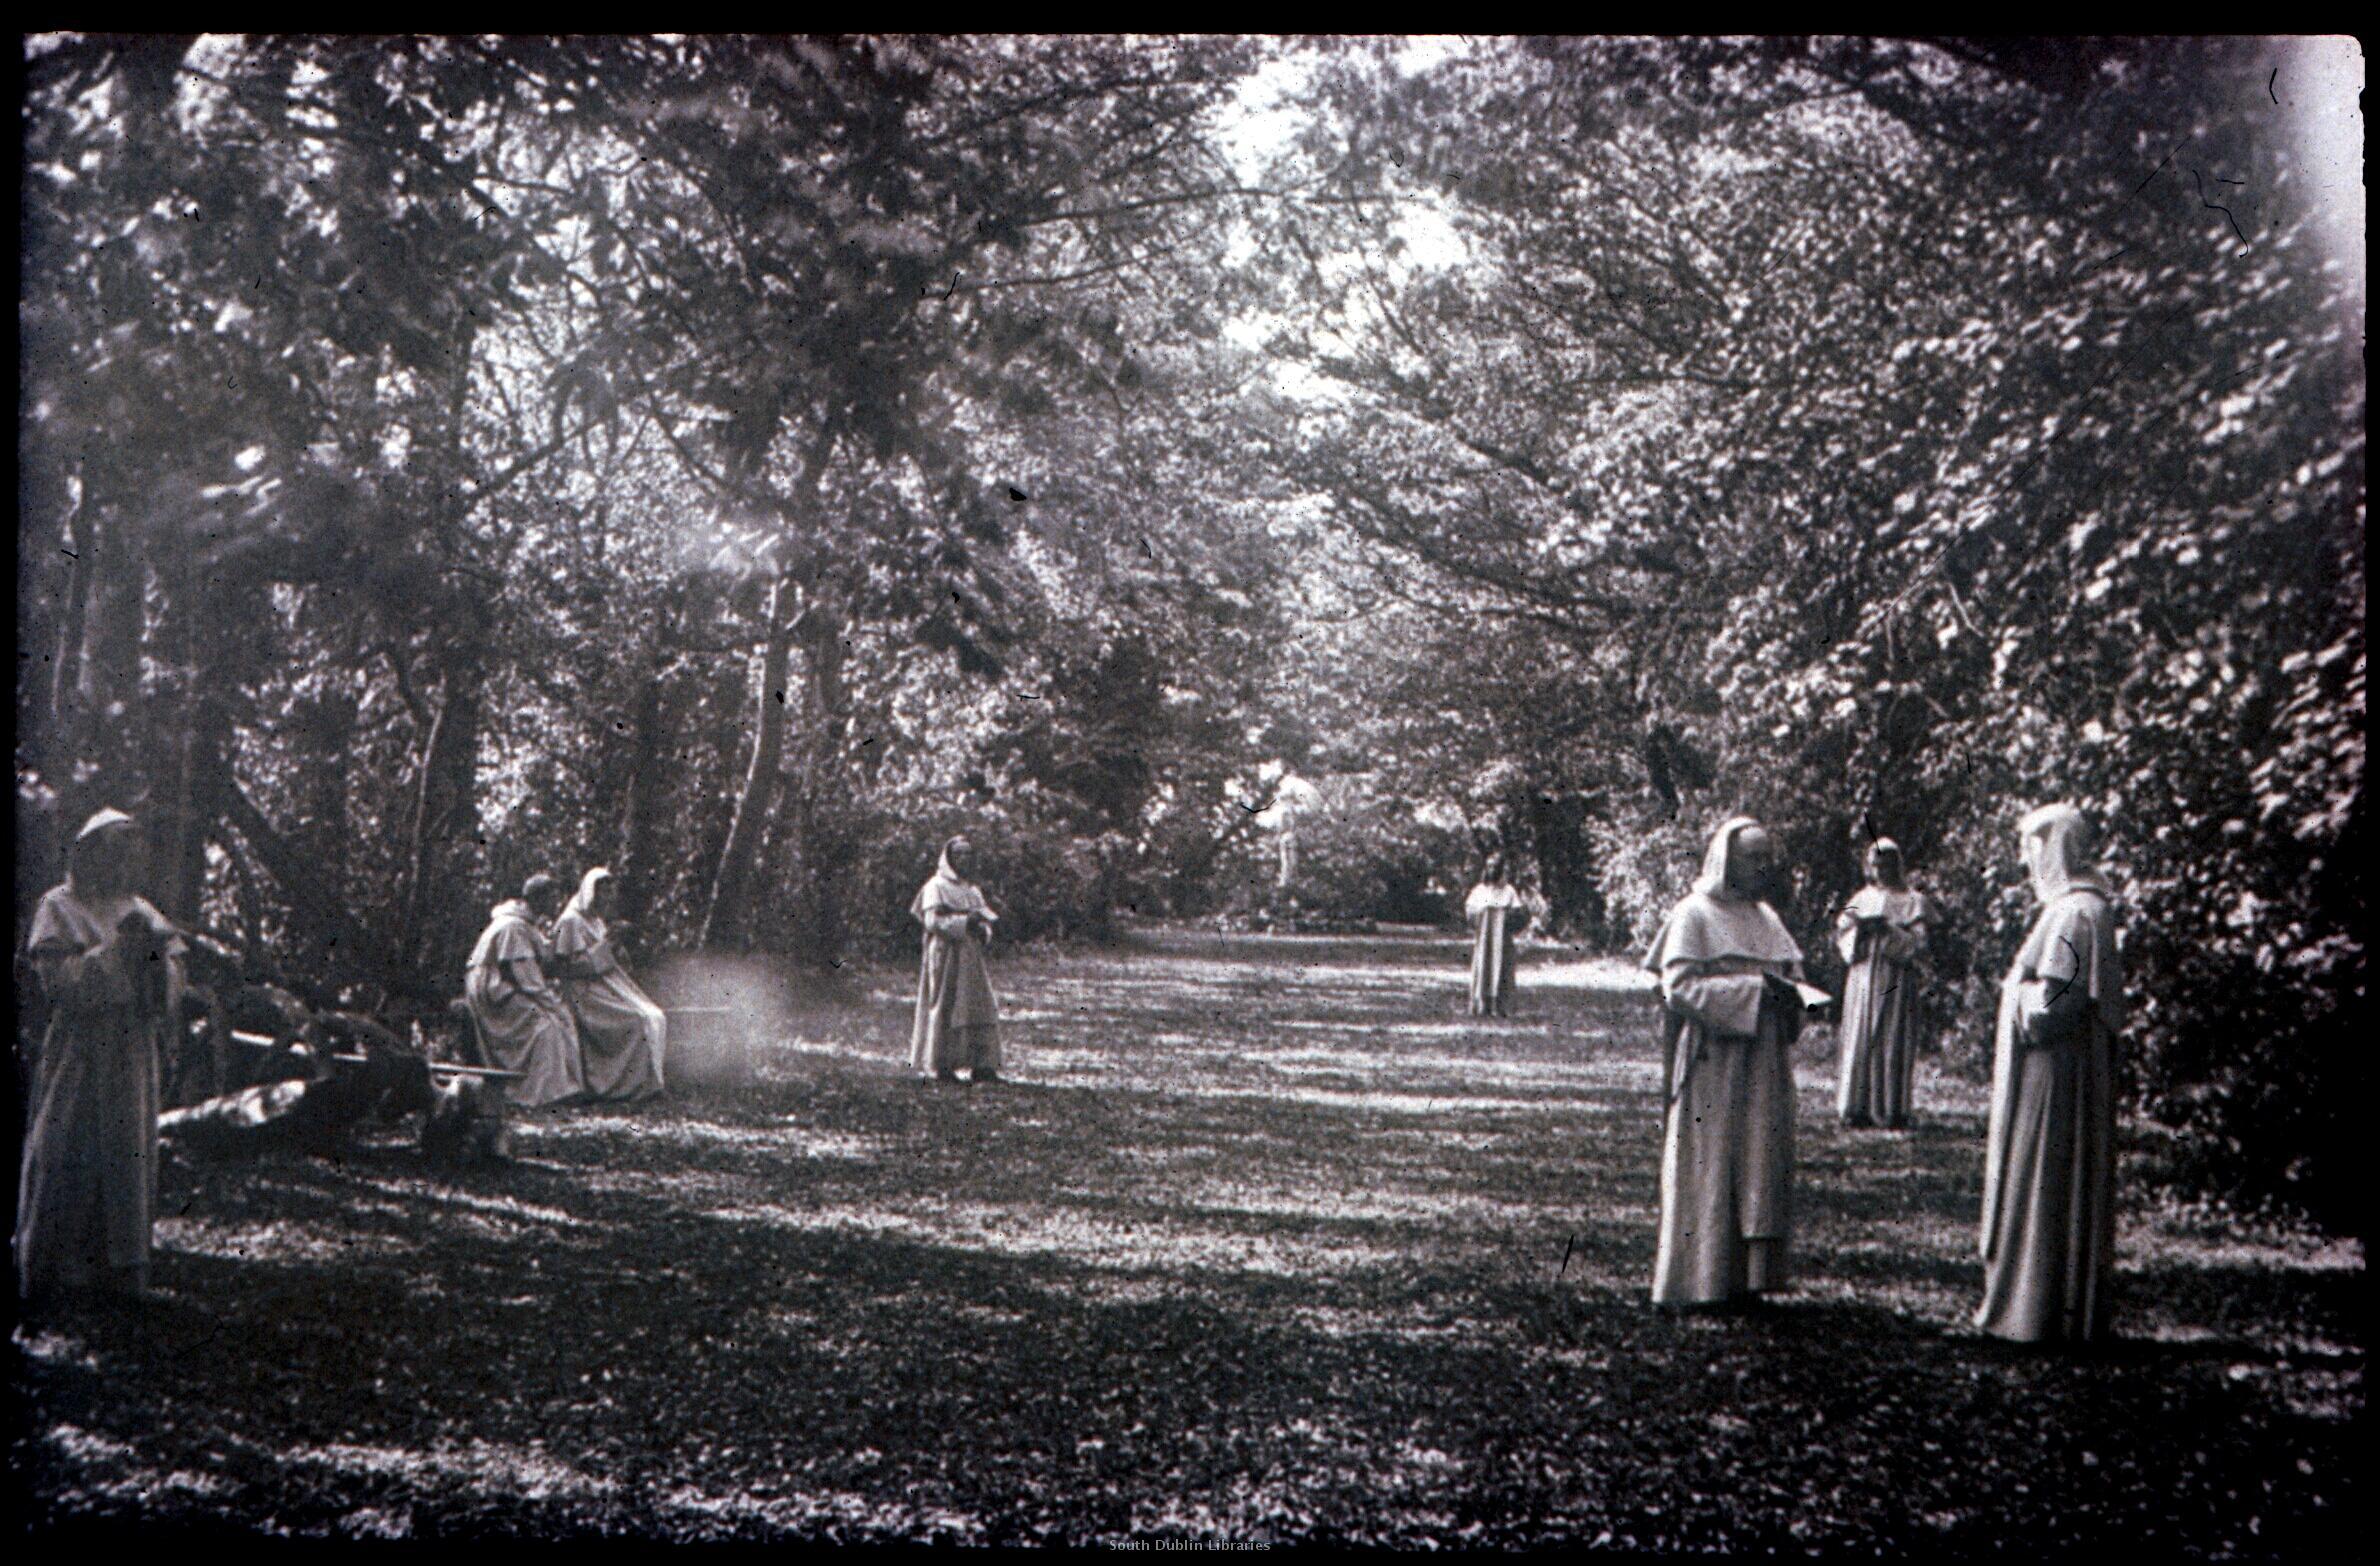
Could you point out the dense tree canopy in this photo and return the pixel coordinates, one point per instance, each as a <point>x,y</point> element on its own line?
<point>1871,437</point>
<point>744,462</point>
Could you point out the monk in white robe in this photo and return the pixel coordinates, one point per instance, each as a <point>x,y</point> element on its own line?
<point>110,967</point>
<point>1881,933</point>
<point>1731,1013</point>
<point>2049,1230</point>
<point>523,1023</point>
<point>1497,917</point>
<point>621,1034</point>
<point>958,1020</point>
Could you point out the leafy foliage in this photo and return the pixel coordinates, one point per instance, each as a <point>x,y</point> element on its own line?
<point>746,462</point>
<point>1881,438</point>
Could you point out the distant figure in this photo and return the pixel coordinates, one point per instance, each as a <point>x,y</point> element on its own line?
<point>2049,1230</point>
<point>958,1021</point>
<point>1728,970</point>
<point>1880,932</point>
<point>524,1025</point>
<point>1497,917</point>
<point>621,1033</point>
<point>110,967</point>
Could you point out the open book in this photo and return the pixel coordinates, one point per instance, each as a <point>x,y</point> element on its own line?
<point>1812,997</point>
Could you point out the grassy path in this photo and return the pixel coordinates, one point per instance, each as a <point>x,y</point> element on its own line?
<point>1267,1242</point>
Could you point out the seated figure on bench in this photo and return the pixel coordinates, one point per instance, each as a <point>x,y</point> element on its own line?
<point>522,1022</point>
<point>621,1033</point>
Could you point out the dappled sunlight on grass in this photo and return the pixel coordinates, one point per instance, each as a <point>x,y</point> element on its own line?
<point>1379,1101</point>
<point>1618,976</point>
<point>1542,1076</point>
<point>1259,1241</point>
<point>696,1190</point>
<point>705,1516</point>
<point>478,1466</point>
<point>1408,1322</point>
<point>313,1242</point>
<point>1184,1241</point>
<point>499,1214</point>
<point>116,1472</point>
<point>1310,1203</point>
<point>781,1141</point>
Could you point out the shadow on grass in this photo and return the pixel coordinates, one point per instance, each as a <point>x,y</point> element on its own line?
<point>1149,1291</point>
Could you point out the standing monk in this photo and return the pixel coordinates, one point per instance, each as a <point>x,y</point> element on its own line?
<point>523,1024</point>
<point>111,970</point>
<point>2049,1174</point>
<point>1497,917</point>
<point>1731,1014</point>
<point>1880,933</point>
<point>621,1033</point>
<point>958,1021</point>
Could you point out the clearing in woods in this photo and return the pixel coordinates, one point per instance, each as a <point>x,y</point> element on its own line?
<point>1266,1241</point>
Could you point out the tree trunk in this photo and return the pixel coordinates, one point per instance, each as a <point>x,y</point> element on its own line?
<point>641,799</point>
<point>293,870</point>
<point>440,920</point>
<point>417,837</point>
<point>202,756</point>
<point>1194,869</point>
<point>823,839</point>
<point>326,727</point>
<point>643,885</point>
<point>106,702</point>
<point>1566,869</point>
<point>442,911</point>
<point>64,676</point>
<point>196,653</point>
<point>724,920</point>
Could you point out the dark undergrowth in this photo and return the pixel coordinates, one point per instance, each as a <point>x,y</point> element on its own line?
<point>1266,1241</point>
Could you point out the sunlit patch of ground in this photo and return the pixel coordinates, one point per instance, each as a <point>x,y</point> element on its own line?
<point>480,1466</point>
<point>1265,1240</point>
<point>1610,975</point>
<point>325,1241</point>
<point>114,1470</point>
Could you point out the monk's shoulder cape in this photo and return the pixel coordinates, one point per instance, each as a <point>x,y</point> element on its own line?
<point>509,937</point>
<point>577,932</point>
<point>61,925</point>
<point>2075,940</point>
<point>1877,902</point>
<point>941,894</point>
<point>1485,896</point>
<point>1703,928</point>
<point>64,925</point>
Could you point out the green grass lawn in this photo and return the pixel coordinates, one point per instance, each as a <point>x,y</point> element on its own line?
<point>1265,1241</point>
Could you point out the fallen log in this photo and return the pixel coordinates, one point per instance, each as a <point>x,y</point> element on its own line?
<point>310,1115</point>
<point>447,1068</point>
<point>222,1004</point>
<point>436,1067</point>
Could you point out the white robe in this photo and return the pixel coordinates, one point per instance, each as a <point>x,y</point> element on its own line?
<point>528,1028</point>
<point>622,1035</point>
<point>1727,1148</point>
<point>2048,1236</point>
<point>957,1022</point>
<point>1492,909</point>
<point>1878,1045</point>
<point>87,1190</point>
